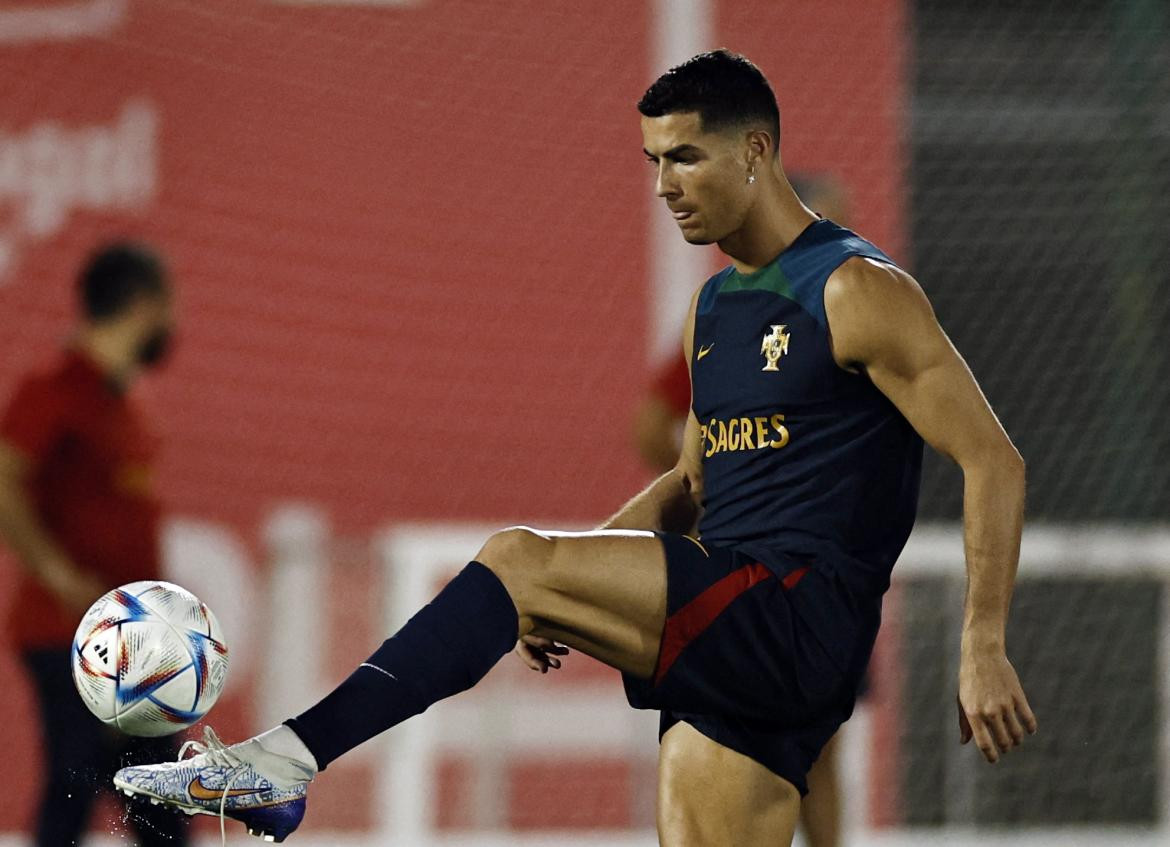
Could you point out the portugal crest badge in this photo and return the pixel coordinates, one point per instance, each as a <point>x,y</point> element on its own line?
<point>775,345</point>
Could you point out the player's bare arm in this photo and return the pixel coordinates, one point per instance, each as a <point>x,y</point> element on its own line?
<point>35,548</point>
<point>882,325</point>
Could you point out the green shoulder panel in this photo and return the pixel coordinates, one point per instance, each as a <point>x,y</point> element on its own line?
<point>767,278</point>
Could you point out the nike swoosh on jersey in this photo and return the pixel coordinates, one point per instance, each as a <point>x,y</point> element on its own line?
<point>703,351</point>
<point>199,791</point>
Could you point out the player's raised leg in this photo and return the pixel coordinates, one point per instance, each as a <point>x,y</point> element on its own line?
<point>745,804</point>
<point>603,593</point>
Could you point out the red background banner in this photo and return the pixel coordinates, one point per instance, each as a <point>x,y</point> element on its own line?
<point>409,242</point>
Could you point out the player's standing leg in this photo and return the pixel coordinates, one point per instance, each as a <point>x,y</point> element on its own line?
<point>745,804</point>
<point>820,813</point>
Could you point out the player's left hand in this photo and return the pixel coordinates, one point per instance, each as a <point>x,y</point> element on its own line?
<point>992,707</point>
<point>540,653</point>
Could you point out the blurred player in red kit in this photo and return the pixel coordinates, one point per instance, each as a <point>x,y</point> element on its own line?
<point>78,508</point>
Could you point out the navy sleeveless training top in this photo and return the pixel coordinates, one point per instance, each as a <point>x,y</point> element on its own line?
<point>800,457</point>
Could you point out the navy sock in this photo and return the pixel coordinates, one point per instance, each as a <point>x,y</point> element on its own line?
<point>447,647</point>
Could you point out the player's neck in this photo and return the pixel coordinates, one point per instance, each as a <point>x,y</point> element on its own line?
<point>109,351</point>
<point>775,221</point>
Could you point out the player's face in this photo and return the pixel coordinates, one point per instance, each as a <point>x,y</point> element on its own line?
<point>156,322</point>
<point>702,176</point>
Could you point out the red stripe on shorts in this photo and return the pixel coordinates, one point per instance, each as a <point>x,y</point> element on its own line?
<point>689,622</point>
<point>789,581</point>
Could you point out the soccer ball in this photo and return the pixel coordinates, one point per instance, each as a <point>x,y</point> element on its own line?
<point>149,658</point>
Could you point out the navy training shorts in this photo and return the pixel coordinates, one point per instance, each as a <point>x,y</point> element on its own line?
<point>740,664</point>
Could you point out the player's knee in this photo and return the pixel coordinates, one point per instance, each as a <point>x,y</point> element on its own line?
<point>517,555</point>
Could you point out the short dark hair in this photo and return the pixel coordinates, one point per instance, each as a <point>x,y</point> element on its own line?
<point>725,88</point>
<point>116,275</point>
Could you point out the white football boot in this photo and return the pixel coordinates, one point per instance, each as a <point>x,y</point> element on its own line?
<point>263,790</point>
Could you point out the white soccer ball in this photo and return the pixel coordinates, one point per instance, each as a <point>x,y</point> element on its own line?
<point>149,658</point>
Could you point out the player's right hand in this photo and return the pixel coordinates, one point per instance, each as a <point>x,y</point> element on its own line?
<point>993,709</point>
<point>540,653</point>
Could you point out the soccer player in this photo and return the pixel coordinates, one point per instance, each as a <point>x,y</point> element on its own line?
<point>817,368</point>
<point>659,424</point>
<point>78,508</point>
